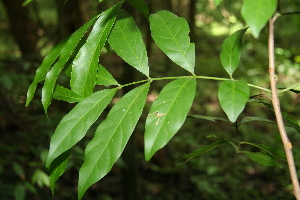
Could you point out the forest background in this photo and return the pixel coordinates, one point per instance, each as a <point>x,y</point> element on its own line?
<point>28,33</point>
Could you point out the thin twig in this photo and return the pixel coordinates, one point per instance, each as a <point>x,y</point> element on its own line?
<point>276,104</point>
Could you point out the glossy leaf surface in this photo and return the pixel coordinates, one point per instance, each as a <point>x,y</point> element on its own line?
<point>170,33</point>
<point>111,137</point>
<point>104,77</point>
<point>257,13</point>
<point>231,51</point>
<point>168,113</point>
<point>65,94</point>
<point>233,96</point>
<point>84,68</point>
<point>75,124</point>
<point>126,40</point>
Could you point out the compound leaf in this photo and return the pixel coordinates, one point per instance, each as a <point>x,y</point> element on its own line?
<point>170,33</point>
<point>111,137</point>
<point>126,40</point>
<point>257,13</point>
<point>233,96</point>
<point>84,68</point>
<point>75,124</point>
<point>231,51</point>
<point>168,113</point>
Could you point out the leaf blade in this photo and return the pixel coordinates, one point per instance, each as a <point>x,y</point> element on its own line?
<point>104,77</point>
<point>170,33</point>
<point>141,6</point>
<point>118,126</point>
<point>168,113</point>
<point>65,94</point>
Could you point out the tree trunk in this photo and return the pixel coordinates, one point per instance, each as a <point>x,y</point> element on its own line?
<point>23,28</point>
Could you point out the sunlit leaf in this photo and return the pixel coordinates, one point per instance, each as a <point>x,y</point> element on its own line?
<point>84,69</point>
<point>261,158</point>
<point>257,13</point>
<point>170,33</point>
<point>233,96</point>
<point>104,77</point>
<point>217,2</point>
<point>65,94</point>
<point>168,113</point>
<point>141,6</point>
<point>231,51</point>
<point>209,118</point>
<point>111,137</point>
<point>75,124</point>
<point>126,40</point>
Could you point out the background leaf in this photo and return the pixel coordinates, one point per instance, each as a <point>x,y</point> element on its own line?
<point>74,125</point>
<point>141,6</point>
<point>257,13</point>
<point>170,33</point>
<point>261,158</point>
<point>111,137</point>
<point>65,94</point>
<point>261,119</point>
<point>84,68</point>
<point>209,118</point>
<point>168,113</point>
<point>104,77</point>
<point>231,51</point>
<point>233,96</point>
<point>217,2</point>
<point>126,40</point>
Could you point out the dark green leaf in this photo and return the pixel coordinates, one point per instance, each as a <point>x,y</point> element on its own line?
<point>65,94</point>
<point>168,113</point>
<point>233,96</point>
<point>111,137</point>
<point>231,51</point>
<point>170,33</point>
<point>126,40</point>
<point>84,69</point>
<point>75,124</point>
<point>261,158</point>
<point>213,119</point>
<point>261,119</point>
<point>104,77</point>
<point>257,13</point>
<point>25,3</point>
<point>141,6</point>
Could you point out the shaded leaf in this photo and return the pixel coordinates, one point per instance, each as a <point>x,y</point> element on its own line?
<point>104,77</point>
<point>65,94</point>
<point>168,113</point>
<point>170,33</point>
<point>25,3</point>
<point>231,51</point>
<point>257,13</point>
<point>75,124</point>
<point>141,6</point>
<point>209,118</point>
<point>261,158</point>
<point>233,96</point>
<point>84,68</point>
<point>261,119</point>
<point>111,137</point>
<point>126,40</point>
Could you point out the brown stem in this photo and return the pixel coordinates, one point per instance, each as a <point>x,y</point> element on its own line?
<point>276,104</point>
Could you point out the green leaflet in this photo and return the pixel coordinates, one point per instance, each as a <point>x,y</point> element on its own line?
<point>231,51</point>
<point>74,125</point>
<point>170,33</point>
<point>104,77</point>
<point>209,118</point>
<point>168,113</point>
<point>84,68</point>
<point>126,40</point>
<point>217,2</point>
<point>251,119</point>
<point>141,6</point>
<point>111,137</point>
<point>257,13</point>
<point>65,94</point>
<point>233,96</point>
<point>259,157</point>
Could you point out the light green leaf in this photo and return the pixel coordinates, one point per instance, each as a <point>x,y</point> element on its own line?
<point>233,96</point>
<point>75,124</point>
<point>141,6</point>
<point>257,13</point>
<point>231,51</point>
<point>65,94</point>
<point>65,55</point>
<point>261,158</point>
<point>217,2</point>
<point>126,40</point>
<point>84,69</point>
<point>111,137</point>
<point>170,33</point>
<point>104,77</point>
<point>168,113</point>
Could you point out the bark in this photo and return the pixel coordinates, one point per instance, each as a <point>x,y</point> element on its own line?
<point>23,28</point>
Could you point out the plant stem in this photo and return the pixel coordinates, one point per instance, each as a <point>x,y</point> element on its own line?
<point>276,104</point>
